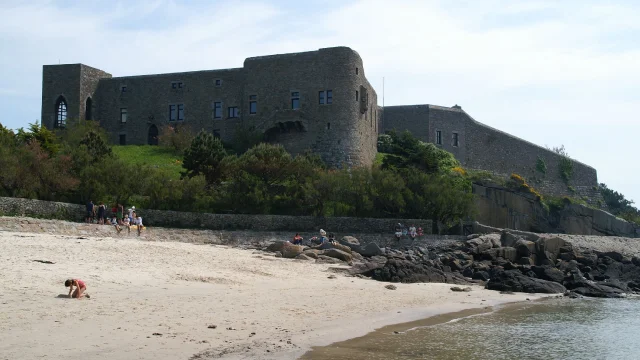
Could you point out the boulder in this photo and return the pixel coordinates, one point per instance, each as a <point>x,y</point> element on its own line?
<point>459,289</point>
<point>588,259</point>
<point>479,245</point>
<point>513,280</point>
<point>371,249</point>
<point>328,245</point>
<point>323,259</point>
<point>349,240</point>
<point>582,286</point>
<point>338,254</point>
<point>481,275</point>
<point>396,270</point>
<point>525,260</point>
<point>614,255</point>
<point>508,253</point>
<point>508,239</point>
<point>525,248</point>
<point>366,268</point>
<point>277,246</point>
<point>312,253</point>
<point>303,257</point>
<point>548,248</point>
<point>548,273</point>
<point>290,251</point>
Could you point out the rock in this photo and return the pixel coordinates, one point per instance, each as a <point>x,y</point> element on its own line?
<point>286,249</point>
<point>526,261</point>
<point>349,240</point>
<point>328,246</point>
<point>508,239</point>
<point>459,289</point>
<point>322,259</point>
<point>276,246</point>
<point>478,245</point>
<point>390,287</point>
<point>312,253</point>
<point>396,270</point>
<point>513,280</point>
<point>508,253</point>
<point>548,273</point>
<point>212,326</point>
<point>582,286</point>
<point>304,257</point>
<point>525,248</point>
<point>278,254</point>
<point>614,255</point>
<point>378,259</point>
<point>472,236</point>
<point>338,254</point>
<point>588,259</point>
<point>481,275</point>
<point>331,277</point>
<point>371,249</point>
<point>549,248</point>
<point>366,268</point>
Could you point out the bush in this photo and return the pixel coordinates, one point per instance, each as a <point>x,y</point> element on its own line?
<point>203,157</point>
<point>176,137</point>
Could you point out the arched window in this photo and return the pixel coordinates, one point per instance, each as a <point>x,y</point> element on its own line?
<point>61,113</point>
<point>88,110</point>
<point>152,138</point>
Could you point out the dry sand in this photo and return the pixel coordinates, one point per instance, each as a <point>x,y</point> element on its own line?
<point>263,307</point>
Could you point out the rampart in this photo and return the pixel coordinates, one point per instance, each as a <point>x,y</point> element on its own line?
<point>75,212</point>
<point>480,147</point>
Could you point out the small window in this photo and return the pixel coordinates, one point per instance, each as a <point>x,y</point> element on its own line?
<point>217,110</point>
<point>179,85</point>
<point>356,71</point>
<point>455,139</point>
<point>357,96</point>
<point>123,115</point>
<point>233,112</point>
<point>328,126</point>
<point>295,100</point>
<point>123,139</point>
<point>321,97</point>
<point>173,113</point>
<point>218,82</point>
<point>180,112</point>
<point>216,133</point>
<point>438,137</point>
<point>329,97</point>
<point>176,85</point>
<point>253,104</point>
<point>123,89</point>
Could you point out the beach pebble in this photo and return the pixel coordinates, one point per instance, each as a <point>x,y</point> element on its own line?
<point>331,277</point>
<point>156,334</point>
<point>457,288</point>
<point>212,326</point>
<point>391,287</point>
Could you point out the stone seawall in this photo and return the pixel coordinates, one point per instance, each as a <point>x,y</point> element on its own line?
<point>75,212</point>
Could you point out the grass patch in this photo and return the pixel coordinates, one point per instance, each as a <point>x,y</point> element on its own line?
<point>379,159</point>
<point>156,156</point>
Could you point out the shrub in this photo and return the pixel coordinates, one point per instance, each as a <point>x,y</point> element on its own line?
<point>565,166</point>
<point>203,157</point>
<point>541,165</point>
<point>176,137</point>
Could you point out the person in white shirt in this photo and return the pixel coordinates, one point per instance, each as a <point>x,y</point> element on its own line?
<point>138,222</point>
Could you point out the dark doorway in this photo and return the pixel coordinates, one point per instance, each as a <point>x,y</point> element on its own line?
<point>123,139</point>
<point>153,135</point>
<point>88,109</point>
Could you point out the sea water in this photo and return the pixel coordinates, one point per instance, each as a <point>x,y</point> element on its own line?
<point>551,329</point>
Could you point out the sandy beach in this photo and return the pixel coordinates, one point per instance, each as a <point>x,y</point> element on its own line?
<point>159,299</point>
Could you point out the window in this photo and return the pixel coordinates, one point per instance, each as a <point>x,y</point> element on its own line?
<point>253,104</point>
<point>180,112</point>
<point>176,85</point>
<point>217,110</point>
<point>173,114</point>
<point>455,139</point>
<point>123,139</point>
<point>438,137</point>
<point>218,82</point>
<point>61,113</point>
<point>328,126</point>
<point>233,112</point>
<point>325,97</point>
<point>123,89</point>
<point>357,96</point>
<point>123,115</point>
<point>295,100</point>
<point>356,71</point>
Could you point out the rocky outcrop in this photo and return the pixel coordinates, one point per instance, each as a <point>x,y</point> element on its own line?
<point>514,280</point>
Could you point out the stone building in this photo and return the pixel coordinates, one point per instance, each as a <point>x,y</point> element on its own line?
<point>318,100</point>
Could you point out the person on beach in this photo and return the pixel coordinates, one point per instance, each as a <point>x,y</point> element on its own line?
<point>412,232</point>
<point>138,221</point>
<point>115,222</point>
<point>131,211</point>
<point>120,213</point>
<point>101,213</point>
<point>89,217</point>
<point>420,232</point>
<point>127,224</point>
<point>81,288</point>
<point>297,240</point>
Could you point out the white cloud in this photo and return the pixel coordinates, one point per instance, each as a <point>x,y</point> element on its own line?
<point>553,73</point>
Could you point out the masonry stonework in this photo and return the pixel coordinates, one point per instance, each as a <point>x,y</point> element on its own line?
<point>290,94</point>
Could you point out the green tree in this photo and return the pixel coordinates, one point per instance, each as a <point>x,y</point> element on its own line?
<point>47,139</point>
<point>203,157</point>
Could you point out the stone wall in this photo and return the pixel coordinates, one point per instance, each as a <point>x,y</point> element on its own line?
<point>481,147</point>
<point>158,218</point>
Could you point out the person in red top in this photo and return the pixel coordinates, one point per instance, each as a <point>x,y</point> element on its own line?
<point>297,240</point>
<point>80,288</point>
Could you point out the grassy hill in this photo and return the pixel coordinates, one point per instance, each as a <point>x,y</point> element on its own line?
<point>155,156</point>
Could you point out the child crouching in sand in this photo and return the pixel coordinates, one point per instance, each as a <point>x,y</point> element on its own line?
<point>80,288</point>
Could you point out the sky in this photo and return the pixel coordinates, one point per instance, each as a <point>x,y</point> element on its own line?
<point>551,72</point>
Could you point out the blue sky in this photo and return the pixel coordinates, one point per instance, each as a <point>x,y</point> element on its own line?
<point>550,72</point>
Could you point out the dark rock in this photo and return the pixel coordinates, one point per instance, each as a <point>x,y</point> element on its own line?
<point>409,272</point>
<point>616,256</point>
<point>481,275</point>
<point>525,260</point>
<point>548,273</point>
<point>304,257</point>
<point>312,253</point>
<point>525,248</point>
<point>635,261</point>
<point>323,259</point>
<point>329,246</point>
<point>591,289</point>
<point>588,259</point>
<point>371,249</point>
<point>212,326</point>
<point>473,236</point>
<point>391,287</point>
<point>512,280</point>
<point>332,277</point>
<point>366,268</point>
<point>278,254</point>
<point>508,239</point>
<point>549,248</point>
<point>349,240</point>
<point>467,272</point>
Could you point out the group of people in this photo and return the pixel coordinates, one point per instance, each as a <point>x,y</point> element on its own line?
<point>119,219</point>
<point>401,230</point>
<point>331,238</point>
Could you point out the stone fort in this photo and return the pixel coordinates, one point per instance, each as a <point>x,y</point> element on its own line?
<point>317,100</point>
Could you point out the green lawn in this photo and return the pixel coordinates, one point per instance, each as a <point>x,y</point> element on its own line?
<point>156,156</point>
